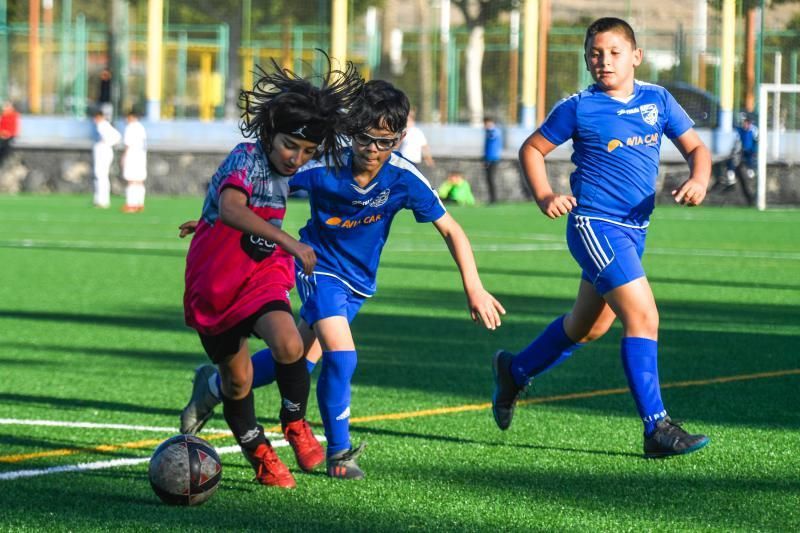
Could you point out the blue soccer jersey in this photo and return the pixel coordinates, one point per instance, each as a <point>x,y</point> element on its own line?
<point>349,225</point>
<point>617,145</point>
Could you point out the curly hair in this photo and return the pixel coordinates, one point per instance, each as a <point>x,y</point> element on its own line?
<point>283,102</point>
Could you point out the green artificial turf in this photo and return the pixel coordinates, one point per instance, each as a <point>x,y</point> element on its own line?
<point>91,331</point>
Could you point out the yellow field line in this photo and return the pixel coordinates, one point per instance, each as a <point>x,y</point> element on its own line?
<point>150,443</point>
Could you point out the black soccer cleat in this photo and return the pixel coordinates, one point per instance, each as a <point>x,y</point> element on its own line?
<point>343,464</point>
<point>506,390</point>
<point>670,438</point>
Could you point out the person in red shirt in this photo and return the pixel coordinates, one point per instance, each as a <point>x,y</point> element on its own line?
<point>240,264</point>
<point>9,129</point>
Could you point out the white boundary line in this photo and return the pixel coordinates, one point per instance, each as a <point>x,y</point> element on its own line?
<point>114,463</point>
<point>100,465</point>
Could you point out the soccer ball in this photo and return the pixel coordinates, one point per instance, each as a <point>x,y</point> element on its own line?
<point>185,470</point>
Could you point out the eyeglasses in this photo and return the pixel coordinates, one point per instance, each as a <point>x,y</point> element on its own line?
<point>381,143</point>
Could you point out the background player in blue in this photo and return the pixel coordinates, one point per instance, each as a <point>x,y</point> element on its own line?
<point>616,126</point>
<point>351,215</point>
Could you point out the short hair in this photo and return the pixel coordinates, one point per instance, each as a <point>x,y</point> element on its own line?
<point>382,105</point>
<point>605,24</point>
<point>283,102</point>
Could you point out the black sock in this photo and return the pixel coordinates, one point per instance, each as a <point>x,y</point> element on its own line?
<point>241,418</point>
<point>294,383</point>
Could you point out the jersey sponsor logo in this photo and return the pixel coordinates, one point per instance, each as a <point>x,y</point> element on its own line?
<point>613,144</point>
<point>649,113</point>
<point>258,248</point>
<point>647,140</point>
<point>353,222</point>
<point>631,111</point>
<point>344,414</point>
<point>377,201</point>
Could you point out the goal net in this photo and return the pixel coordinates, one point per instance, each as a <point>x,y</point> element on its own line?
<point>778,174</point>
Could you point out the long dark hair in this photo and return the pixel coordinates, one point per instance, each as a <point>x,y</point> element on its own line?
<point>283,102</point>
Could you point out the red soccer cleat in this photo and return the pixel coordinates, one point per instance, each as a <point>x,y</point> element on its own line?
<point>270,470</point>
<point>306,448</point>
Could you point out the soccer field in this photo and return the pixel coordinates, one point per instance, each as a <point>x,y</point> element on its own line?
<point>96,364</point>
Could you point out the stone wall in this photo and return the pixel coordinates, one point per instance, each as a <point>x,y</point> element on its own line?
<point>40,170</point>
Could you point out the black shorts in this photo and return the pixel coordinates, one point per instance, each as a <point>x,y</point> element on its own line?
<point>222,346</point>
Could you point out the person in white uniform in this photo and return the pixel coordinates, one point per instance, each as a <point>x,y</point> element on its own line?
<point>105,137</point>
<point>414,146</point>
<point>134,164</point>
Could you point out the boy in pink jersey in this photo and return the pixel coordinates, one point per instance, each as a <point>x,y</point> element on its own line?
<point>240,265</point>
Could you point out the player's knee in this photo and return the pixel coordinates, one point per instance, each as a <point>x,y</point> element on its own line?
<point>288,350</point>
<point>596,331</point>
<point>642,324</point>
<point>583,331</point>
<point>235,385</point>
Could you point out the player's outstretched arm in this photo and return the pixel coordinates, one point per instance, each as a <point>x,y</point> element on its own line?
<point>233,211</point>
<point>483,306</point>
<point>531,157</point>
<point>693,191</point>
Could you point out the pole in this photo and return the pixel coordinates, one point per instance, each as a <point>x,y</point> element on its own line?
<point>544,31</point>
<point>339,31</point>
<point>513,65</point>
<point>444,59</point>
<point>155,13</point>
<point>530,26</point>
<point>727,74</point>
<point>3,50</point>
<point>34,59</point>
<point>775,145</point>
<point>761,177</point>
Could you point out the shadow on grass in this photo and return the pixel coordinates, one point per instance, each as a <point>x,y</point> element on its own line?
<point>165,320</point>
<point>449,357</point>
<point>10,399</point>
<point>150,356</point>
<point>571,274</point>
<point>429,437</point>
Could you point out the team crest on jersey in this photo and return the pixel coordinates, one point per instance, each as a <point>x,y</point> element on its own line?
<point>649,113</point>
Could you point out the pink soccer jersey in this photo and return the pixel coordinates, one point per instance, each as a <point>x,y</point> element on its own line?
<point>231,275</point>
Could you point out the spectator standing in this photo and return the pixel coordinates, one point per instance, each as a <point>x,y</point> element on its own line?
<point>9,129</point>
<point>414,146</point>
<point>134,164</point>
<point>105,137</point>
<point>492,151</point>
<point>104,98</point>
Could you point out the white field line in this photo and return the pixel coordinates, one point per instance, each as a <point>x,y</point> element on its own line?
<point>408,247</point>
<point>101,465</point>
<point>113,463</point>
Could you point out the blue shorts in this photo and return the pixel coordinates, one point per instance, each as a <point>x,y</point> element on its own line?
<point>325,296</point>
<point>610,255</point>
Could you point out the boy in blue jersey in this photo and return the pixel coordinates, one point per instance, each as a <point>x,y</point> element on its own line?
<point>616,126</point>
<point>351,215</point>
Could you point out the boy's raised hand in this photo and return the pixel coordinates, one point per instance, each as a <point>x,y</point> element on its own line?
<point>485,307</point>
<point>691,192</point>
<point>556,205</point>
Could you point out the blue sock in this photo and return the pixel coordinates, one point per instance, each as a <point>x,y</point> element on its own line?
<point>640,361</point>
<point>333,397</point>
<point>548,350</point>
<point>264,368</point>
